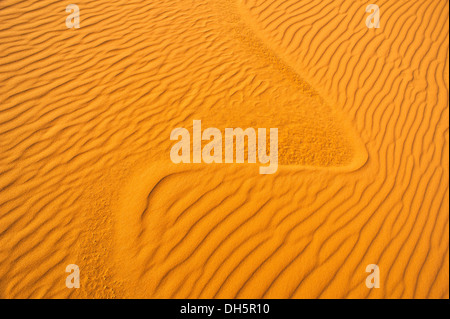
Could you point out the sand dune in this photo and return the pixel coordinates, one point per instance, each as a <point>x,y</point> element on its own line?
<point>86,177</point>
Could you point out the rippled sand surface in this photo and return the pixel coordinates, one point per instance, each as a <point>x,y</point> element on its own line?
<point>86,177</point>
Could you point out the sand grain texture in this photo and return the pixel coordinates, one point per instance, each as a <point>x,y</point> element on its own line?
<point>86,178</point>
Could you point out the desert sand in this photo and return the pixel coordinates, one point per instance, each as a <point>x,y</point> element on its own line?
<point>86,178</point>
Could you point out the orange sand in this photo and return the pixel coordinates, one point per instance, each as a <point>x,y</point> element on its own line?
<point>86,177</point>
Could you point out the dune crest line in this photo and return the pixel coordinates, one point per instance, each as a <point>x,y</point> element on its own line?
<point>85,172</point>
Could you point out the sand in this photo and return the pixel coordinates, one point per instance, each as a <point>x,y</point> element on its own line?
<point>86,177</point>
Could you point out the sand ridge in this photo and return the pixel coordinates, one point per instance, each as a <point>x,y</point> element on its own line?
<point>86,177</point>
